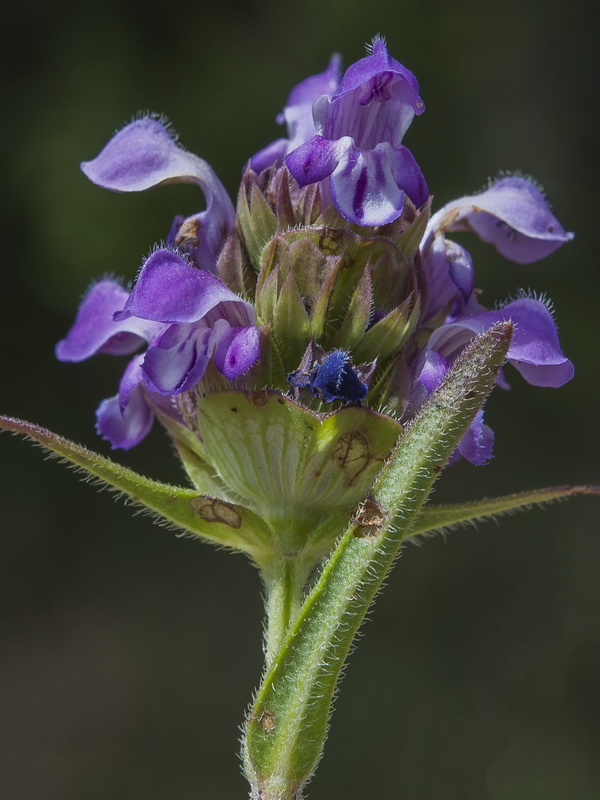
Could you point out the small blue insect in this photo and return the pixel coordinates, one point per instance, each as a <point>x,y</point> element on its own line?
<point>331,378</point>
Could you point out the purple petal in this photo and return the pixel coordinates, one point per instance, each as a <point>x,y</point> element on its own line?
<point>434,371</point>
<point>372,76</point>
<point>382,120</point>
<point>364,186</point>
<point>145,154</point>
<point>298,115</point>
<point>477,444</point>
<point>298,111</point>
<point>236,351</point>
<point>375,102</point>
<point>126,430</point>
<point>269,155</point>
<point>132,378</point>
<point>95,331</point>
<point>169,290</point>
<point>307,91</point>
<point>177,360</point>
<point>313,161</point>
<point>409,176</point>
<point>126,418</point>
<point>535,348</point>
<point>512,215</point>
<point>450,276</point>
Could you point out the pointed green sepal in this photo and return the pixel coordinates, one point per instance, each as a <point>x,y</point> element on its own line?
<point>232,267</point>
<point>357,316</point>
<point>291,325</point>
<point>388,334</point>
<point>266,297</point>
<point>442,518</point>
<point>320,307</point>
<point>256,219</point>
<point>390,391</point>
<point>211,518</point>
<point>284,207</point>
<point>287,725</point>
<point>409,241</point>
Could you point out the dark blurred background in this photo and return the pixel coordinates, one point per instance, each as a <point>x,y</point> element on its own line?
<point>128,655</point>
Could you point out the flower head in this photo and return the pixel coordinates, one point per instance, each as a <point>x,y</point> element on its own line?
<point>283,294</point>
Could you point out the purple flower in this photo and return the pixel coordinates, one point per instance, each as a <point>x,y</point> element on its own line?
<point>126,418</point>
<point>534,351</point>
<point>145,154</point>
<point>478,442</point>
<point>358,142</point>
<point>512,215</point>
<point>201,319</point>
<point>297,115</point>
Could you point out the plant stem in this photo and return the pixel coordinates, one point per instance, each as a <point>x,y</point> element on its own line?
<point>285,577</point>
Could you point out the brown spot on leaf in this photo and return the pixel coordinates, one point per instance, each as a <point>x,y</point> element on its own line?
<point>211,509</point>
<point>352,454</point>
<point>267,721</point>
<point>350,448</point>
<point>259,399</point>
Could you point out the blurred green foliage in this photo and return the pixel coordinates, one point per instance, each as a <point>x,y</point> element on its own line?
<point>127,654</point>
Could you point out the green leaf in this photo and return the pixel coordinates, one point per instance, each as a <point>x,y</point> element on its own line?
<point>440,518</point>
<point>211,518</point>
<point>287,726</point>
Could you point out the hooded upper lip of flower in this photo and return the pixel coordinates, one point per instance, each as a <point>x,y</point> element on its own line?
<point>201,317</point>
<point>534,351</point>
<point>144,154</point>
<point>512,215</point>
<point>375,101</point>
